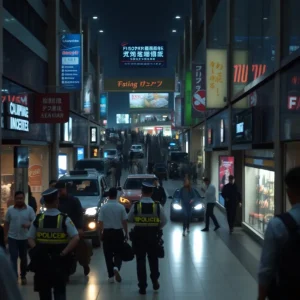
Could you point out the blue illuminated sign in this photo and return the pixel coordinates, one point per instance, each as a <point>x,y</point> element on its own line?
<point>80,153</point>
<point>103,105</point>
<point>70,61</point>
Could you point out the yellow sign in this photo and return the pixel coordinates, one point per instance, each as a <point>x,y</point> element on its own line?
<point>216,70</point>
<point>138,85</point>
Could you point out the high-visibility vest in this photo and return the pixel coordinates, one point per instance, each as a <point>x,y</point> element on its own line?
<point>51,230</point>
<point>147,215</point>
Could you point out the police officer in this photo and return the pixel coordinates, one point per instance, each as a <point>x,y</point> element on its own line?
<point>149,218</point>
<point>52,237</point>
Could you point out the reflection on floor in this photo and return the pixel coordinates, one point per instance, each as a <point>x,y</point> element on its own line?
<point>199,266</point>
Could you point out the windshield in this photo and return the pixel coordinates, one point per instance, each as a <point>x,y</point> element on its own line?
<point>179,157</point>
<point>176,194</point>
<point>90,164</point>
<point>111,152</point>
<point>82,187</point>
<point>136,183</point>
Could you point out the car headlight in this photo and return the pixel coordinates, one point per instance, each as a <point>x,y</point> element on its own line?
<point>199,206</point>
<point>43,209</point>
<point>91,211</point>
<point>124,200</point>
<point>177,206</point>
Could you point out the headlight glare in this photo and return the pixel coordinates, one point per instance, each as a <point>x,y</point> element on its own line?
<point>124,200</point>
<point>177,206</point>
<point>198,206</point>
<point>91,211</point>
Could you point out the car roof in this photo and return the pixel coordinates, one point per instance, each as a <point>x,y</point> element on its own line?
<point>93,159</point>
<point>141,176</point>
<point>88,176</point>
<point>136,145</point>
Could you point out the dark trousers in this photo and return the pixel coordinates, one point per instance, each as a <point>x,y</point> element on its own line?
<point>141,251</point>
<point>210,214</point>
<point>187,213</point>
<point>59,293</point>
<point>18,249</point>
<point>118,181</point>
<point>231,213</point>
<point>113,240</point>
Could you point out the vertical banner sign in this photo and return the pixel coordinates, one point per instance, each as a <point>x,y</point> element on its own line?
<point>103,105</point>
<point>199,92</point>
<point>70,62</point>
<point>216,72</point>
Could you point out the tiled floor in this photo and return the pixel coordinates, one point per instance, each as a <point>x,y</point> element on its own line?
<point>199,266</point>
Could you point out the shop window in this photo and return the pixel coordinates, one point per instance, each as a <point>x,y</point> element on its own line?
<point>291,25</point>
<point>254,41</point>
<point>259,197</point>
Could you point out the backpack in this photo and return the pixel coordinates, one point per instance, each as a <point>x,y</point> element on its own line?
<point>288,272</point>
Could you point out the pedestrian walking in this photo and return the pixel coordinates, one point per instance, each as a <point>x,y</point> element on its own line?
<point>232,197</point>
<point>159,193</point>
<point>187,196</point>
<point>18,220</point>
<point>210,198</point>
<point>113,226</point>
<point>149,218</point>
<point>52,237</point>
<point>118,174</point>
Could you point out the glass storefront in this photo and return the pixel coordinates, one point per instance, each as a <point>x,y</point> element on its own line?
<point>38,173</point>
<point>259,197</point>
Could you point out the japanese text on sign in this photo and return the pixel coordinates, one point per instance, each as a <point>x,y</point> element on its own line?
<point>216,76</point>
<point>198,79</point>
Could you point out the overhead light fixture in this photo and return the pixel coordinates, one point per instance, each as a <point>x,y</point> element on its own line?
<point>177,17</point>
<point>101,31</point>
<point>95,17</point>
<point>174,30</point>
<point>265,18</point>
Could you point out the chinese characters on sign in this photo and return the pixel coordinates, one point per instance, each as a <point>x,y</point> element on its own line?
<point>70,62</point>
<point>199,89</point>
<point>52,108</point>
<point>143,55</point>
<point>216,86</point>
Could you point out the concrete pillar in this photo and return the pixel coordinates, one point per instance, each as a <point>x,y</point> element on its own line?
<point>1,73</point>
<point>97,91</point>
<point>53,76</point>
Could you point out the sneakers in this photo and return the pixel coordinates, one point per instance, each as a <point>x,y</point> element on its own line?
<point>118,277</point>
<point>86,270</point>
<point>23,281</point>
<point>205,229</point>
<point>111,280</point>
<point>156,285</point>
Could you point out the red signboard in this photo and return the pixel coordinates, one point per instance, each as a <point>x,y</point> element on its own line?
<point>51,108</point>
<point>241,72</point>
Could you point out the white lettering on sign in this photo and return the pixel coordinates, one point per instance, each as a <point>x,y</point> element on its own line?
<point>18,110</point>
<point>18,124</point>
<point>293,103</point>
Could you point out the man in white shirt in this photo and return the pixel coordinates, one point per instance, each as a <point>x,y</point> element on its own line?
<point>112,221</point>
<point>210,198</point>
<point>18,220</point>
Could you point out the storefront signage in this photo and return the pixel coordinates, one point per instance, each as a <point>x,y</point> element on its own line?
<point>293,102</point>
<point>199,89</point>
<point>209,136</point>
<point>18,99</point>
<point>222,131</point>
<point>80,153</point>
<point>149,55</point>
<point>70,61</point>
<point>51,108</point>
<point>148,100</point>
<point>226,168</point>
<point>216,70</point>
<point>35,175</point>
<point>122,118</point>
<point>17,117</point>
<point>139,84</point>
<point>93,137</point>
<point>103,105</point>
<point>241,72</point>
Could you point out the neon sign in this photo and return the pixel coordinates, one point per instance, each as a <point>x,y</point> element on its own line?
<point>241,72</point>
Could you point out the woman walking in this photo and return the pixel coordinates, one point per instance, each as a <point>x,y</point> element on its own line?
<point>187,195</point>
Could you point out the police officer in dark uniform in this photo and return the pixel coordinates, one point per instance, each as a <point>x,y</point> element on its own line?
<point>52,237</point>
<point>149,218</point>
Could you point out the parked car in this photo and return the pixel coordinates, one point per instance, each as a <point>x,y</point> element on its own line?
<point>132,189</point>
<point>111,154</point>
<point>137,151</point>
<point>160,171</point>
<point>198,207</point>
<point>90,188</point>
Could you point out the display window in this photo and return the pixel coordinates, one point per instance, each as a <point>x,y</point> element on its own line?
<point>38,174</point>
<point>259,197</point>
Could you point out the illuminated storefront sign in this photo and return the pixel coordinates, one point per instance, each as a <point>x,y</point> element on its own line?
<point>293,103</point>
<point>148,100</point>
<point>93,132</point>
<point>103,105</point>
<point>16,117</point>
<point>70,62</point>
<point>241,72</point>
<point>19,99</point>
<point>139,84</point>
<point>147,55</point>
<point>199,89</point>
